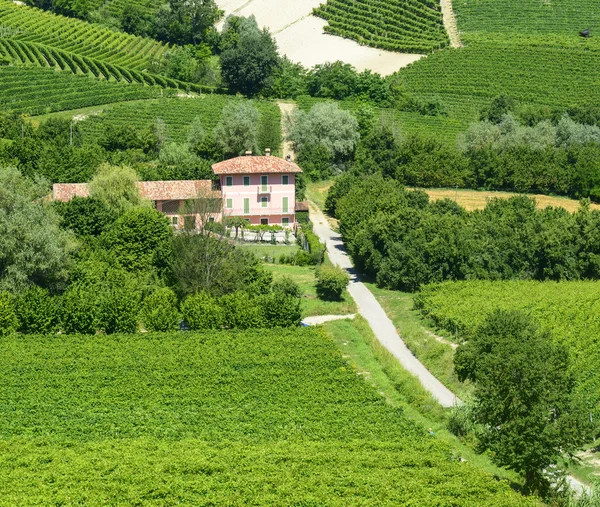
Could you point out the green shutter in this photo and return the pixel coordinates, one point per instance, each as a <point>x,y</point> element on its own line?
<point>285,179</point>
<point>264,181</point>
<point>264,201</point>
<point>229,181</point>
<point>229,203</point>
<point>246,205</point>
<point>246,181</point>
<point>285,204</point>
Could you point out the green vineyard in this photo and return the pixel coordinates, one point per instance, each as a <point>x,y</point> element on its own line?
<point>527,17</point>
<point>469,78</point>
<point>177,113</point>
<point>34,90</point>
<point>74,36</point>
<point>408,26</point>
<point>570,310</point>
<point>264,417</point>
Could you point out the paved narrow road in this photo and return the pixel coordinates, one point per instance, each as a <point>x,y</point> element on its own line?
<point>372,311</point>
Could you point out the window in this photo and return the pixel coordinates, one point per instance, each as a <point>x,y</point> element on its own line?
<point>174,220</point>
<point>285,221</point>
<point>285,204</point>
<point>211,219</point>
<point>264,182</point>
<point>246,181</point>
<point>229,181</point>
<point>285,179</point>
<point>229,203</point>
<point>246,205</point>
<point>264,202</point>
<point>264,221</point>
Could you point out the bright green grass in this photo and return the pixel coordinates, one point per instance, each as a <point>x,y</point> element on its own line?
<point>304,276</point>
<point>268,251</point>
<point>230,418</point>
<point>401,389</point>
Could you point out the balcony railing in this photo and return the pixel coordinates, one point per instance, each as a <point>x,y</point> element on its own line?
<point>271,210</point>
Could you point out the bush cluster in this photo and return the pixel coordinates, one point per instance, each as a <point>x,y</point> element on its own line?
<point>403,241</point>
<point>331,282</point>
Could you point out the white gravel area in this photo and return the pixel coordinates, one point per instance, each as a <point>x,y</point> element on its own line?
<point>301,37</point>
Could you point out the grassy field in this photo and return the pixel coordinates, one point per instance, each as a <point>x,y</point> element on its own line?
<point>478,199</point>
<point>265,417</point>
<point>381,369</point>
<point>268,251</point>
<point>304,276</point>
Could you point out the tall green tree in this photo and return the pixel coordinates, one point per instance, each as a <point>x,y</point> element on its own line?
<point>250,61</point>
<point>33,248</point>
<point>524,400</point>
<point>237,131</point>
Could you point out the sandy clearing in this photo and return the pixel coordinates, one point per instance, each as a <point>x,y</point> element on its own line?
<point>450,23</point>
<point>300,36</point>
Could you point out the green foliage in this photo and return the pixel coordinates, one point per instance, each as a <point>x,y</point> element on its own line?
<point>250,60</point>
<point>312,245</point>
<point>117,188</point>
<point>327,128</point>
<point>37,311</point>
<point>202,311</point>
<point>8,315</point>
<point>403,241</point>
<point>185,21</point>
<point>286,286</point>
<point>224,411</point>
<point>281,309</point>
<point>566,309</point>
<point>33,248</point>
<point>141,239</point>
<point>413,26</point>
<point>241,311</point>
<point>85,216</point>
<point>237,131</point>
<point>80,309</point>
<point>523,396</point>
<point>331,282</point>
<point>159,311</point>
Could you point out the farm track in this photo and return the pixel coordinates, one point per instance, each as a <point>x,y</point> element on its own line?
<point>450,23</point>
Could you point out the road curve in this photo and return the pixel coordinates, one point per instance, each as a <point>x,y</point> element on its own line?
<point>372,311</point>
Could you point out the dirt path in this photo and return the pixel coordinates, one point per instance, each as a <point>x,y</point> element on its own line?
<point>371,310</point>
<point>450,23</point>
<point>286,110</point>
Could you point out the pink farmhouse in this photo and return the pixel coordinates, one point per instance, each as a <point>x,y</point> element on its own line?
<point>261,189</point>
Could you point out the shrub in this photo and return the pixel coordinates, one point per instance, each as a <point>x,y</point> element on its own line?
<point>159,311</point>
<point>80,310</point>
<point>119,307</point>
<point>331,282</point>
<point>287,286</point>
<point>281,310</point>
<point>201,311</point>
<point>241,311</point>
<point>298,258</point>
<point>8,317</point>
<point>37,311</point>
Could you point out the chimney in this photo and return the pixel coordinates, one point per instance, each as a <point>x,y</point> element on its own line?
<point>268,152</point>
<point>248,153</point>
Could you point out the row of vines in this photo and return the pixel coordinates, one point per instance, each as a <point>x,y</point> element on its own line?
<point>408,26</point>
<point>569,310</point>
<point>264,417</point>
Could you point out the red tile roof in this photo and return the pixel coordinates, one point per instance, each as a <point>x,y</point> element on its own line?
<point>255,165</point>
<point>153,190</point>
<point>302,206</point>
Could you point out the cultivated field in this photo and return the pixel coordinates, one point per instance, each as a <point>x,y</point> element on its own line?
<point>478,199</point>
<point>301,36</point>
<point>265,417</point>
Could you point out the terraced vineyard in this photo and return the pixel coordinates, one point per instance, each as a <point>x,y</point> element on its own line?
<point>265,417</point>
<point>407,26</point>
<point>177,113</point>
<point>32,37</point>
<point>32,90</point>
<point>529,50</point>
<point>115,7</point>
<point>570,310</point>
<point>74,36</point>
